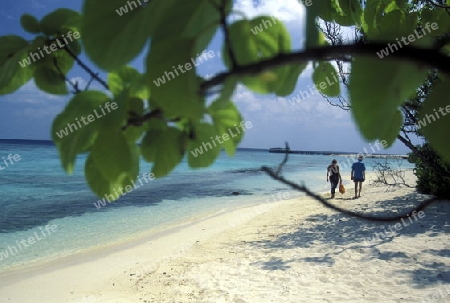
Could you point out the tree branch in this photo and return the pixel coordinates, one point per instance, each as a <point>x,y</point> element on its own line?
<point>276,175</point>
<point>410,146</point>
<point>90,82</point>
<point>86,68</point>
<point>438,5</point>
<point>63,76</point>
<point>385,172</point>
<point>325,203</point>
<point>223,22</point>
<point>430,57</point>
<point>286,158</point>
<point>138,120</point>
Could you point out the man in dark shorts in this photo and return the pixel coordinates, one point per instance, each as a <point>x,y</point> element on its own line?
<point>335,176</point>
<point>358,175</point>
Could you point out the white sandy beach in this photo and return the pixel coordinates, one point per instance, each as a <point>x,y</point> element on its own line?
<point>288,251</point>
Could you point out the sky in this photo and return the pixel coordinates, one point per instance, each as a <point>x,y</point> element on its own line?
<point>311,124</point>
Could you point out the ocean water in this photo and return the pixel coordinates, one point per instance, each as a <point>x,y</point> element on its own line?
<point>46,214</point>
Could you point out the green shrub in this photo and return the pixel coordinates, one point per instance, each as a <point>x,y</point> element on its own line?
<point>433,173</point>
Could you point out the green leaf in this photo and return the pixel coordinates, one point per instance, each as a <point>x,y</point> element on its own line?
<point>133,170</point>
<point>140,89</point>
<point>75,47</point>
<point>9,68</point>
<point>270,38</point>
<point>175,90</point>
<point>135,107</point>
<point>53,23</point>
<point>102,186</point>
<point>58,61</point>
<point>446,50</point>
<point>197,20</point>
<point>384,20</point>
<point>121,79</point>
<point>375,101</point>
<point>149,148</point>
<point>165,147</point>
<point>98,183</point>
<point>288,78</point>
<point>70,39</point>
<point>83,115</point>
<point>11,52</point>
<point>226,117</point>
<point>394,24</point>
<point>51,68</point>
<point>353,9</point>
<point>134,133</point>
<point>272,41</point>
<point>401,3</point>
<point>203,149</point>
<point>343,12</point>
<point>38,42</point>
<point>228,89</point>
<point>9,45</point>
<point>128,78</point>
<point>21,77</point>
<point>246,51</point>
<point>434,119</point>
<point>326,79</point>
<point>112,155</point>
<point>30,24</point>
<point>41,55</point>
<point>114,113</point>
<point>373,11</point>
<point>68,149</point>
<point>113,37</point>
<point>312,11</point>
<point>441,19</point>
<point>50,81</point>
<point>346,12</point>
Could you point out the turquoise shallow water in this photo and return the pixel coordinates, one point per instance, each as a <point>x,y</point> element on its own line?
<point>36,193</point>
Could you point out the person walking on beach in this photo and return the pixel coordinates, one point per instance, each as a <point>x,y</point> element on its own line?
<point>358,175</point>
<point>334,175</point>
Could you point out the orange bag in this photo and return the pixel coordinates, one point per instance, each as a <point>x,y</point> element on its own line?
<point>342,188</point>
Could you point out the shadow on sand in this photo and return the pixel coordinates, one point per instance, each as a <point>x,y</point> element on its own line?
<point>344,233</point>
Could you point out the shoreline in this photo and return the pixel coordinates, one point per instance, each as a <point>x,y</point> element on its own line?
<point>303,252</point>
<point>124,243</point>
<point>154,233</point>
<point>55,270</point>
<point>129,241</point>
<point>196,261</point>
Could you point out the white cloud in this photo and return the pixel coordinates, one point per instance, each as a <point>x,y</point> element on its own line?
<point>285,10</point>
<point>278,110</point>
<point>29,101</point>
<point>307,72</point>
<point>30,94</point>
<point>36,4</point>
<point>291,12</point>
<point>48,111</point>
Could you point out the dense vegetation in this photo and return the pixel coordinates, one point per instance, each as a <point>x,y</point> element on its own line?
<point>174,118</point>
<point>433,173</point>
